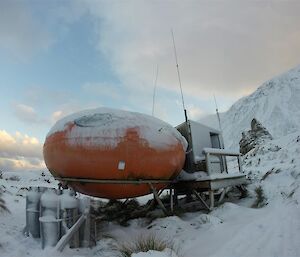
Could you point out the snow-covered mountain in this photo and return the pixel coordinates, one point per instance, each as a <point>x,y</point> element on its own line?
<point>276,104</point>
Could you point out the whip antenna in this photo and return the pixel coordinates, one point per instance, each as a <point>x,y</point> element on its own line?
<point>218,115</point>
<point>154,90</point>
<point>179,79</point>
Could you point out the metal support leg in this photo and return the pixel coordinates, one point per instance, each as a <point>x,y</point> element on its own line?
<point>156,196</point>
<point>222,195</point>
<point>87,232</point>
<point>125,202</point>
<point>201,199</point>
<point>160,192</point>
<point>171,200</point>
<point>175,197</point>
<point>211,199</point>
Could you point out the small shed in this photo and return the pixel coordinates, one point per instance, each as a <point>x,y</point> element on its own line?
<point>205,168</point>
<point>200,137</point>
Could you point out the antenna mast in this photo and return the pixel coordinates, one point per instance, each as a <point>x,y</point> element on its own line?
<point>218,115</point>
<point>179,79</point>
<point>154,90</point>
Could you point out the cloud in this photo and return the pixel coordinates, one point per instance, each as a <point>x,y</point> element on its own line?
<point>227,48</point>
<point>19,145</point>
<point>26,113</point>
<point>47,105</point>
<point>19,152</point>
<point>195,113</point>
<point>56,104</point>
<point>160,111</point>
<point>21,164</point>
<point>57,115</point>
<point>35,95</point>
<point>21,34</point>
<point>69,108</point>
<point>102,89</point>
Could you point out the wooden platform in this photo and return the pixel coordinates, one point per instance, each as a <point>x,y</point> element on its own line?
<point>211,182</point>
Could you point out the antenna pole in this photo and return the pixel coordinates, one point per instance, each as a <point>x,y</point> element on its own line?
<point>154,90</point>
<point>179,79</point>
<point>218,115</point>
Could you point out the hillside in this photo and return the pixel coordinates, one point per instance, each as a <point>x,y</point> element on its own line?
<point>276,104</point>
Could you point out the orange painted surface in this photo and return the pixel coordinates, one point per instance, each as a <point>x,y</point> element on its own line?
<point>75,159</point>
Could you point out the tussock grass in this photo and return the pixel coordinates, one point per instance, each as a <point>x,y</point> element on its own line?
<point>3,207</point>
<point>145,243</point>
<point>260,200</point>
<point>14,178</point>
<point>268,173</point>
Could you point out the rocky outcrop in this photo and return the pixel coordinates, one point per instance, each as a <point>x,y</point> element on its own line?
<point>255,136</point>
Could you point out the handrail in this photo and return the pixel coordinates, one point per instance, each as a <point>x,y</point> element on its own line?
<point>218,151</point>
<point>222,152</point>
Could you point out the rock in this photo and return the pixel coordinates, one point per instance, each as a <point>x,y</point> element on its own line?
<point>255,136</point>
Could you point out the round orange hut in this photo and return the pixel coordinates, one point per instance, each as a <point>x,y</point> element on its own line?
<point>114,154</point>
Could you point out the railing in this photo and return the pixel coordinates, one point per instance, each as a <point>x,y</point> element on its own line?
<point>220,152</point>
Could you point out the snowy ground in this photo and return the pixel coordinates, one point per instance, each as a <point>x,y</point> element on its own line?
<point>232,229</point>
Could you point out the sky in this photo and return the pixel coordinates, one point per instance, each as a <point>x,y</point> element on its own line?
<point>59,57</point>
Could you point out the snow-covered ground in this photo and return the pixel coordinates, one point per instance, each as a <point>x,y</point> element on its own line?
<point>232,229</point>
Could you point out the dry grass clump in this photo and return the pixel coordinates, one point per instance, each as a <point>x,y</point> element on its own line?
<point>146,243</point>
<point>14,178</point>
<point>260,200</point>
<point>2,204</point>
